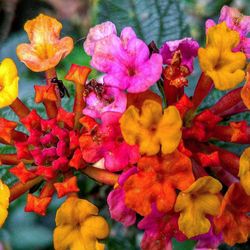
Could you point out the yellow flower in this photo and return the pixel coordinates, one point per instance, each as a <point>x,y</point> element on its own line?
<point>195,203</point>
<point>4,202</point>
<point>45,49</point>
<point>78,226</point>
<point>244,171</point>
<point>8,82</point>
<point>152,129</point>
<point>218,61</point>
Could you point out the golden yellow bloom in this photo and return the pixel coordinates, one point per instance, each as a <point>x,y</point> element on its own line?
<point>244,171</point>
<point>45,49</point>
<point>195,203</point>
<point>8,82</point>
<point>152,129</point>
<point>78,226</point>
<point>4,202</point>
<point>218,61</point>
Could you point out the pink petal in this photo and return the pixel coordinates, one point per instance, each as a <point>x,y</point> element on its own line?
<point>97,33</point>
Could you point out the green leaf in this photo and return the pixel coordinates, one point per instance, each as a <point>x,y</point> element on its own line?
<point>187,245</point>
<point>157,20</point>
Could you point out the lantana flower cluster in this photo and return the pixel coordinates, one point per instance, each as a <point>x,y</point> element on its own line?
<point>159,151</point>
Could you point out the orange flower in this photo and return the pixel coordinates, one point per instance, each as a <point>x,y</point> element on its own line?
<point>6,129</point>
<point>66,187</point>
<point>78,74</point>
<point>245,91</point>
<point>152,129</point>
<point>244,170</point>
<point>233,221</point>
<point>156,181</point>
<point>194,203</point>
<point>45,49</point>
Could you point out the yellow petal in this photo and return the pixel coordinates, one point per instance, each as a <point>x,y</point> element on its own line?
<point>218,61</point>
<point>244,170</point>
<point>4,202</point>
<point>169,130</point>
<point>199,200</point>
<point>8,82</point>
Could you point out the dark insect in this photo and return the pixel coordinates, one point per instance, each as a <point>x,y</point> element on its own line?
<point>94,86</point>
<point>62,89</point>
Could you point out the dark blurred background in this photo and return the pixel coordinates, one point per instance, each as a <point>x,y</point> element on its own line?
<point>157,20</point>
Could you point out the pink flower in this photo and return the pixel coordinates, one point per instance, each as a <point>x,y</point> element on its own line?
<point>126,61</point>
<point>159,229</point>
<point>238,22</point>
<point>188,48</point>
<point>116,202</point>
<point>97,33</point>
<point>112,99</point>
<point>106,141</point>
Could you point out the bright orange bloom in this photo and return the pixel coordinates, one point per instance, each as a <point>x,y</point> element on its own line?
<point>245,92</point>
<point>6,129</point>
<point>8,82</point>
<point>22,173</point>
<point>199,200</point>
<point>244,170</point>
<point>4,202</point>
<point>47,92</point>
<point>156,181</point>
<point>78,226</point>
<point>37,204</point>
<point>233,221</point>
<point>46,49</point>
<point>218,61</point>
<point>78,74</point>
<point>66,187</point>
<point>151,129</point>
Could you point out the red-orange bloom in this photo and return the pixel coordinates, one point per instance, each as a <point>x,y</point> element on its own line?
<point>6,129</point>
<point>156,181</point>
<point>37,204</point>
<point>22,172</point>
<point>68,186</point>
<point>233,221</point>
<point>45,49</point>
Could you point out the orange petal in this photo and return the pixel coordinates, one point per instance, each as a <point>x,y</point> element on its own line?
<point>68,186</point>
<point>78,74</point>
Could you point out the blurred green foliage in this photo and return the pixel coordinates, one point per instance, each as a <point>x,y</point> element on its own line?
<point>157,20</point>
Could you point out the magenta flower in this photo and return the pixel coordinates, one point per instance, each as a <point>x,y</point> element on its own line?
<point>116,201</point>
<point>126,61</point>
<point>238,22</point>
<point>159,229</point>
<point>105,141</point>
<point>97,33</point>
<point>112,99</point>
<point>188,48</point>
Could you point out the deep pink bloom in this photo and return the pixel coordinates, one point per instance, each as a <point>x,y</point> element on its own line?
<point>126,61</point>
<point>159,229</point>
<point>106,142</point>
<point>116,202</point>
<point>208,240</point>
<point>96,33</point>
<point>238,22</point>
<point>112,99</point>
<point>188,48</point>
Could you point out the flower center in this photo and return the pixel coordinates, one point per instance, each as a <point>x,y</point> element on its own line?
<point>131,71</point>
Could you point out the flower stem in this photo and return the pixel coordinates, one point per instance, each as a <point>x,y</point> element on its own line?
<point>19,188</point>
<point>20,108</point>
<point>203,88</point>
<point>11,159</point>
<point>78,104</point>
<point>101,175</point>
